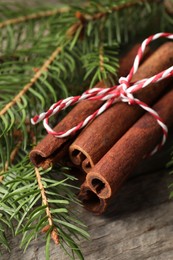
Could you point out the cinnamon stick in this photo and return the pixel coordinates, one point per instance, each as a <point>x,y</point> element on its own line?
<point>95,140</point>
<point>51,149</point>
<point>118,163</point>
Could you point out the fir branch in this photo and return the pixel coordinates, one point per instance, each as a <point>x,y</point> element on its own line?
<point>34,16</point>
<point>54,232</point>
<point>118,7</point>
<point>22,201</point>
<point>32,81</point>
<point>85,18</point>
<point>101,64</point>
<point>80,16</point>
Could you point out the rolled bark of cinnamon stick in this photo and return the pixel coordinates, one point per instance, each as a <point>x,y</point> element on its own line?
<point>51,149</point>
<point>118,163</point>
<point>91,201</point>
<point>96,139</point>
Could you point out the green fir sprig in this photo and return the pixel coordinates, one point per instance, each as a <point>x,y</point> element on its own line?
<point>48,53</point>
<point>34,201</point>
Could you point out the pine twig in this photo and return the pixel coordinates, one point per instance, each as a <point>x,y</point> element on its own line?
<point>101,58</point>
<point>32,81</point>
<point>119,8</point>
<point>48,13</point>
<point>34,16</point>
<point>54,232</point>
<point>83,18</point>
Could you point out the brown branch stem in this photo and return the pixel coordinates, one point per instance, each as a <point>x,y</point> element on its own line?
<point>119,8</point>
<point>101,59</point>
<point>34,16</point>
<point>54,232</point>
<point>44,14</point>
<point>32,81</point>
<point>83,18</point>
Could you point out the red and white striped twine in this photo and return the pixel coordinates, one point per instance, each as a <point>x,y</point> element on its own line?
<point>124,92</point>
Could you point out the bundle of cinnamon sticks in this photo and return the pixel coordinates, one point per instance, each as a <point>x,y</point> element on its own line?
<point>111,146</point>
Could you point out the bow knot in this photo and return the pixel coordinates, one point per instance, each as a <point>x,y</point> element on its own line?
<point>125,94</point>
<point>124,81</point>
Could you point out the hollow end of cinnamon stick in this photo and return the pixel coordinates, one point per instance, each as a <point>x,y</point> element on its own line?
<point>91,201</point>
<point>96,139</point>
<point>38,158</point>
<point>50,149</point>
<point>109,174</point>
<point>86,165</point>
<point>78,156</point>
<point>99,185</point>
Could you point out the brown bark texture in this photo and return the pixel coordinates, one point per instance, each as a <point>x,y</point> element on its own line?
<point>96,139</point>
<point>51,149</point>
<point>108,175</point>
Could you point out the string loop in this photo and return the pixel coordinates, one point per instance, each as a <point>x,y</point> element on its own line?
<point>124,92</point>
